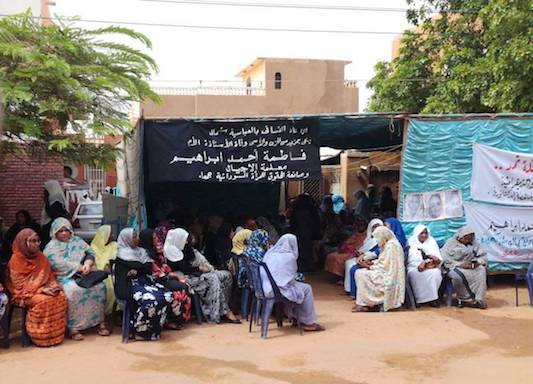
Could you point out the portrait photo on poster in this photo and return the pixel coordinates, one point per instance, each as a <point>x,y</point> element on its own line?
<point>413,207</point>
<point>430,206</point>
<point>433,206</point>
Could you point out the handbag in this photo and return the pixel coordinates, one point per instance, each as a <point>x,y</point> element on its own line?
<point>91,279</point>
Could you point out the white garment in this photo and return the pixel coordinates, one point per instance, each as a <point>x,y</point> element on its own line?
<point>55,194</point>
<point>348,264</point>
<point>174,244</point>
<point>426,283</point>
<point>128,251</point>
<point>370,242</point>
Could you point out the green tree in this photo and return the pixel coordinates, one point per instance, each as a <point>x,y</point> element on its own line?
<point>60,83</point>
<point>472,56</point>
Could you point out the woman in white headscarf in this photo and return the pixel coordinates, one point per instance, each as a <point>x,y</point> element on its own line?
<point>55,206</point>
<point>213,287</point>
<point>466,263</point>
<point>368,251</point>
<point>423,266</point>
<point>281,261</point>
<point>134,282</point>
<point>382,283</point>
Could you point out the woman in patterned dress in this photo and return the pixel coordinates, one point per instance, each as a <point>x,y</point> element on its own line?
<point>68,255</point>
<point>382,283</point>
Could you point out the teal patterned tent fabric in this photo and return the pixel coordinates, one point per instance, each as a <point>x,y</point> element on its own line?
<point>438,156</point>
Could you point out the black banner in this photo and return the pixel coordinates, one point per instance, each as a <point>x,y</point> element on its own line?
<point>231,151</point>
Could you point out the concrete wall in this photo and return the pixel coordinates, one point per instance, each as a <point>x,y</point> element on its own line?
<point>308,87</point>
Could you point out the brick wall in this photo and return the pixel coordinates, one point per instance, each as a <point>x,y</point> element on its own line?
<point>22,182</point>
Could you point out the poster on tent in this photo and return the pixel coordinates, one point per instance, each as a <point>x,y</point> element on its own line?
<point>502,177</point>
<point>232,151</point>
<point>429,206</point>
<point>505,232</point>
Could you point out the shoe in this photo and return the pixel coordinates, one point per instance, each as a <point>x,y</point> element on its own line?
<point>480,304</point>
<point>229,321</point>
<point>435,304</point>
<point>460,304</point>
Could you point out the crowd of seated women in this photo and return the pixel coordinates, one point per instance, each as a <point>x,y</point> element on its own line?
<point>375,266</point>
<point>67,288</point>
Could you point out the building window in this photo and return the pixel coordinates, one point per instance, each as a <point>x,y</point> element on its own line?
<point>277,80</point>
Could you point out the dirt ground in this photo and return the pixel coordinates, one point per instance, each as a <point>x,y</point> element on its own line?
<point>446,345</point>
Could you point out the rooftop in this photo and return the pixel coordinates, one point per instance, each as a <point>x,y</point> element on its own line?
<point>261,60</point>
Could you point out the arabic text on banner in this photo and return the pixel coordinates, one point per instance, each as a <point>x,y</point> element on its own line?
<point>505,232</point>
<point>502,177</point>
<point>232,151</point>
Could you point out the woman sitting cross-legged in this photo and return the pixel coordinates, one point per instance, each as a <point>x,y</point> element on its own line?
<point>152,243</point>
<point>69,257</point>
<point>213,287</point>
<point>281,261</point>
<point>423,266</point>
<point>466,263</point>
<point>33,284</point>
<point>133,281</point>
<point>382,283</point>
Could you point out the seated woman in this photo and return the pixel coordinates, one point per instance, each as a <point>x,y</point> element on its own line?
<point>281,261</point>
<point>223,245</point>
<point>23,220</point>
<point>133,282</point>
<point>3,302</point>
<point>33,284</point>
<point>69,255</point>
<point>257,246</point>
<point>273,235</point>
<point>396,227</point>
<point>105,250</point>
<point>382,283</point>
<point>364,256</point>
<point>212,287</point>
<point>423,266</point>
<point>336,261</point>
<point>239,242</point>
<point>174,282</point>
<point>465,261</point>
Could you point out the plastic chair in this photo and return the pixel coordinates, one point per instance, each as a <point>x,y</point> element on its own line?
<point>258,297</point>
<point>270,303</point>
<point>528,278</point>
<point>198,314</point>
<point>410,300</point>
<point>4,327</point>
<point>25,340</point>
<point>126,310</point>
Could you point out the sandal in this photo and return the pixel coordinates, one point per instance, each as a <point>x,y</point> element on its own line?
<point>103,331</point>
<point>174,326</point>
<point>316,328</point>
<point>76,336</point>
<point>358,308</point>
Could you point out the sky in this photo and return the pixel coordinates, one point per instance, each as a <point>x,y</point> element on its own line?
<point>198,54</point>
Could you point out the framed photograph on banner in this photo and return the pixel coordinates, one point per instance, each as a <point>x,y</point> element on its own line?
<point>430,206</point>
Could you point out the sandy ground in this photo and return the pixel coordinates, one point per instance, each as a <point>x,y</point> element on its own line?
<point>446,345</point>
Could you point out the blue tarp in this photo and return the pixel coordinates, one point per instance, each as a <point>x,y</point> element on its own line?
<point>438,156</point>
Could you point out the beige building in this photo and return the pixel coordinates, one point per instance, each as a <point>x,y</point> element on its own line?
<point>270,86</point>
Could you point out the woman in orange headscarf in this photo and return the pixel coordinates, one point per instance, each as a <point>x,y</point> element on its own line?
<point>32,283</point>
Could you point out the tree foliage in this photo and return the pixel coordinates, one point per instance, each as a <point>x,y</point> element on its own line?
<point>60,84</point>
<point>473,56</point>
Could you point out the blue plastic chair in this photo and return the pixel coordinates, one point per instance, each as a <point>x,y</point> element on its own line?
<point>270,303</point>
<point>528,278</point>
<point>198,314</point>
<point>256,290</point>
<point>126,310</point>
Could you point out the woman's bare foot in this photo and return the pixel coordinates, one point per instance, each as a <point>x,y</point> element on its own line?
<point>75,335</point>
<point>103,330</point>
